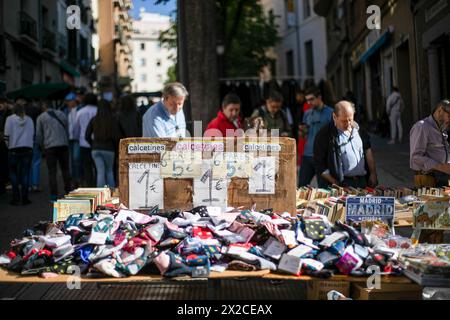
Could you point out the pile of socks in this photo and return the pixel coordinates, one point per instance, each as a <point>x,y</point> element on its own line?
<point>118,242</point>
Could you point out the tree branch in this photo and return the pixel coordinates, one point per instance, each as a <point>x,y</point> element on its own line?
<point>235,25</point>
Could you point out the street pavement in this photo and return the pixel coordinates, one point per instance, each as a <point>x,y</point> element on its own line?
<point>392,165</point>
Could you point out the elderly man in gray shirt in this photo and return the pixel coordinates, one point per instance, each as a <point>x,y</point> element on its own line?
<point>52,133</point>
<point>430,151</point>
<point>343,153</point>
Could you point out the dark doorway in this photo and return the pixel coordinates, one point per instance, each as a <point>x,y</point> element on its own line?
<point>404,84</point>
<point>378,109</point>
<point>444,66</point>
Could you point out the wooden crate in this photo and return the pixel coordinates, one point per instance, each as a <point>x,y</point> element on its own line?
<point>178,192</point>
<point>388,291</point>
<point>318,289</point>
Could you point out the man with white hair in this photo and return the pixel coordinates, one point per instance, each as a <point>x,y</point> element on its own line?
<point>342,151</point>
<point>166,118</point>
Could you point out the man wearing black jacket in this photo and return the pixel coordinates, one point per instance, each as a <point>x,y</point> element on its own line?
<point>342,151</point>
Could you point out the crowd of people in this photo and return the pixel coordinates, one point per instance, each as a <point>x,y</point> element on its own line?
<point>82,137</point>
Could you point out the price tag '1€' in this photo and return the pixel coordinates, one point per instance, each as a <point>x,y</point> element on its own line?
<point>262,180</point>
<point>146,186</point>
<point>209,191</point>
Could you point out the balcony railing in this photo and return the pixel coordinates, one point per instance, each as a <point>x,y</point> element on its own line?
<point>28,25</point>
<point>49,40</point>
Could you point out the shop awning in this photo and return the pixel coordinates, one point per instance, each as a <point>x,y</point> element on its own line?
<point>157,94</point>
<point>69,69</point>
<point>375,47</point>
<point>41,91</point>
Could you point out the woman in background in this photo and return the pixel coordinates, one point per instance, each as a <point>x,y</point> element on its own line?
<point>103,134</point>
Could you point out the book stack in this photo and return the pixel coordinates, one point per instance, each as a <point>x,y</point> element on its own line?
<point>331,202</point>
<point>332,208</point>
<point>429,269</point>
<point>81,200</point>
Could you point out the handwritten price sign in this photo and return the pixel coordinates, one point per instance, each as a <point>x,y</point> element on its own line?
<point>145,185</point>
<point>262,180</point>
<point>181,164</point>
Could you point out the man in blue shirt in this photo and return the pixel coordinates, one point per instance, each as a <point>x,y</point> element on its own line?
<point>314,119</point>
<point>166,118</point>
<point>342,151</point>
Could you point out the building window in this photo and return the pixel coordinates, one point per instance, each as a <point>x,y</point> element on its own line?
<point>306,9</point>
<point>143,62</point>
<point>309,53</point>
<point>142,46</point>
<point>143,77</point>
<point>27,73</point>
<point>290,13</point>
<point>290,63</point>
<point>158,63</point>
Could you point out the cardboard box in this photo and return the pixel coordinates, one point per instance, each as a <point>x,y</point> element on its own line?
<point>387,292</point>
<point>178,193</point>
<point>317,290</point>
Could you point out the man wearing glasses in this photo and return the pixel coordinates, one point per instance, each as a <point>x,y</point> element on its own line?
<point>429,149</point>
<point>314,119</point>
<point>166,118</point>
<point>342,151</point>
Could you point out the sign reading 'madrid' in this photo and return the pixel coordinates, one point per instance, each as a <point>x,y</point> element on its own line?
<point>369,208</point>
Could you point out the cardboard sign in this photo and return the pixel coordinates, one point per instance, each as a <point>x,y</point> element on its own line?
<point>262,180</point>
<point>209,191</point>
<point>146,186</point>
<point>181,165</point>
<point>433,214</point>
<point>370,208</point>
<point>236,176</point>
<point>137,148</point>
<point>232,165</point>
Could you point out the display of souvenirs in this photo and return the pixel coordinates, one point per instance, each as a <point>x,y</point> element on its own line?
<point>433,213</point>
<point>428,265</point>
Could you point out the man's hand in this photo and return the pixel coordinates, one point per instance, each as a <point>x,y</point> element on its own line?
<point>445,168</point>
<point>373,180</point>
<point>328,177</point>
<point>303,129</point>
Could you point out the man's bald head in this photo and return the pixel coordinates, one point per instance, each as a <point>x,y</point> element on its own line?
<point>344,106</point>
<point>344,113</point>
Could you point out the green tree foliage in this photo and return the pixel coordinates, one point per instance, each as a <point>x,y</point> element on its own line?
<point>245,31</point>
<point>172,74</point>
